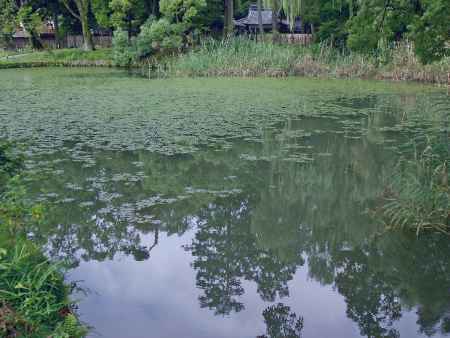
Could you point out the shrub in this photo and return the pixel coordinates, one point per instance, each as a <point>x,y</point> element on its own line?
<point>158,36</point>
<point>124,50</point>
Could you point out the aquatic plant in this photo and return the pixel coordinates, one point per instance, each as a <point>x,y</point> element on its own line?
<point>418,195</point>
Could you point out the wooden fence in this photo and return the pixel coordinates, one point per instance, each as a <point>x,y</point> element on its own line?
<point>299,39</point>
<point>70,41</point>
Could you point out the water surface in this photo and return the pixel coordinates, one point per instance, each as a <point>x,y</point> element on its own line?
<point>231,207</point>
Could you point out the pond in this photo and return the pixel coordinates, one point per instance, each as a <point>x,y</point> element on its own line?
<point>230,207</point>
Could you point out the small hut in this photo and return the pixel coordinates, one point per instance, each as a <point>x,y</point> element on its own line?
<point>249,24</point>
<point>21,37</point>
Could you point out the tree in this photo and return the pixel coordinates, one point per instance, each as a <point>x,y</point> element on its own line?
<point>260,23</point>
<point>275,13</point>
<point>228,18</point>
<point>32,23</point>
<point>281,322</point>
<point>430,30</point>
<point>378,23</point>
<point>82,14</point>
<point>8,22</point>
<point>128,15</point>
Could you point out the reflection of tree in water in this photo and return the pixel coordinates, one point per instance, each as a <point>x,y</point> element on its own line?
<point>389,274</point>
<point>281,322</point>
<point>371,301</point>
<point>225,253</point>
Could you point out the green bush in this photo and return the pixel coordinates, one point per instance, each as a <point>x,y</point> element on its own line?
<point>124,50</point>
<point>159,36</point>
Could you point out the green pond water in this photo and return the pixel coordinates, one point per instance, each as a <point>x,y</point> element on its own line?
<point>228,208</point>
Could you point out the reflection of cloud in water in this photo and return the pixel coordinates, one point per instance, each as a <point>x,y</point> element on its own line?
<point>158,298</point>
<point>133,299</point>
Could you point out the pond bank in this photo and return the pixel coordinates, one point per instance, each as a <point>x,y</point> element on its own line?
<point>245,58</point>
<point>62,57</point>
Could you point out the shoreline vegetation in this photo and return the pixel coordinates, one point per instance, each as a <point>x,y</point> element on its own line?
<point>242,57</point>
<point>34,296</point>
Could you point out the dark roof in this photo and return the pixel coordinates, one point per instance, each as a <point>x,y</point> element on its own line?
<point>252,17</point>
<point>46,29</point>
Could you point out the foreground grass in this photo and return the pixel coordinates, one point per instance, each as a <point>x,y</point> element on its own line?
<point>243,57</point>
<point>34,297</point>
<point>59,57</point>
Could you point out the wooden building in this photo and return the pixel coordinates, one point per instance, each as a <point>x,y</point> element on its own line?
<point>250,23</point>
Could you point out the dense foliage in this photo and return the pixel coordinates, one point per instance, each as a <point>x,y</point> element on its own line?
<point>164,35</point>
<point>363,26</point>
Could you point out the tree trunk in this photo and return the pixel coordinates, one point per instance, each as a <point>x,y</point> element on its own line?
<point>56,32</point>
<point>88,43</point>
<point>129,27</point>
<point>83,11</point>
<point>275,33</point>
<point>228,22</point>
<point>35,40</point>
<point>260,23</point>
<point>155,10</point>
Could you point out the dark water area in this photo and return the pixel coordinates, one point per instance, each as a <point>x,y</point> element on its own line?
<point>231,207</point>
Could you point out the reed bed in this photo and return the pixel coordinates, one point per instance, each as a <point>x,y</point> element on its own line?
<point>245,57</point>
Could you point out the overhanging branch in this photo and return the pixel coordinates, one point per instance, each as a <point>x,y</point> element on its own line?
<point>71,11</point>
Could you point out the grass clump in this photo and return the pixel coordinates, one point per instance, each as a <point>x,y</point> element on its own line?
<point>34,298</point>
<point>418,195</point>
<point>33,295</point>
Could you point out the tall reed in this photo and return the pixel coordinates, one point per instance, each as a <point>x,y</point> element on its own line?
<point>242,56</point>
<point>418,194</point>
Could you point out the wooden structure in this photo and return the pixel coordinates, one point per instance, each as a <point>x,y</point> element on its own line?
<point>47,36</point>
<point>250,23</point>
